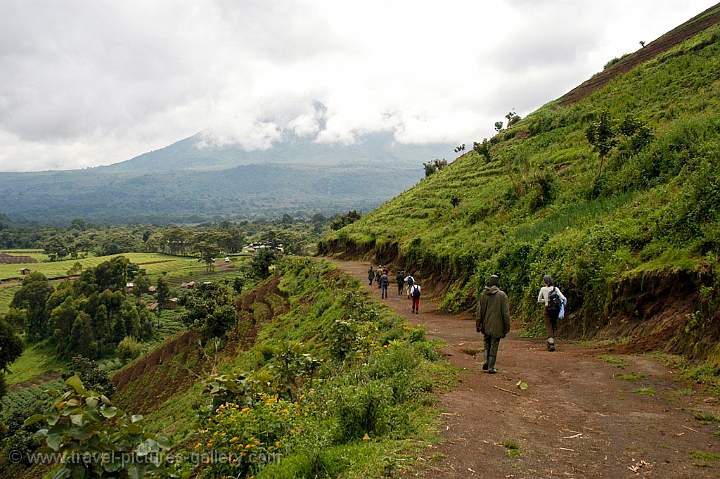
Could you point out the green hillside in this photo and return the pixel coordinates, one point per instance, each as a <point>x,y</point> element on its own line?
<point>633,240</point>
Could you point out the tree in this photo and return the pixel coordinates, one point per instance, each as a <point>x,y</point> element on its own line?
<point>10,346</point>
<point>262,261</point>
<point>208,252</point>
<point>82,339</point>
<point>112,274</point>
<point>10,349</point>
<point>459,148</point>
<point>431,167</point>
<point>483,149</point>
<point>455,201</point>
<point>62,321</point>
<point>601,135</point>
<point>238,283</point>
<point>512,118</point>
<point>162,294</point>
<point>76,269</point>
<point>32,297</point>
<point>341,221</point>
<point>56,248</point>
<point>498,126</point>
<point>16,318</point>
<point>141,285</point>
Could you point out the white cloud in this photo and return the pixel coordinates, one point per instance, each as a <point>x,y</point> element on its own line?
<point>88,82</point>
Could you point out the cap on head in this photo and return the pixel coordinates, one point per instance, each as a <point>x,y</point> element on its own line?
<point>547,279</point>
<point>493,280</point>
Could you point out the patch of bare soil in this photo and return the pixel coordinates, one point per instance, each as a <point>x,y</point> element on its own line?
<point>579,417</point>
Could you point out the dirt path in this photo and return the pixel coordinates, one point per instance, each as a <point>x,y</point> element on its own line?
<point>577,419</point>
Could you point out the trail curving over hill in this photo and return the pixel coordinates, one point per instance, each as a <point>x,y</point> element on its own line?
<point>577,419</point>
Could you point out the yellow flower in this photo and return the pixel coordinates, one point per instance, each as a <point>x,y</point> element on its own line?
<point>234,439</point>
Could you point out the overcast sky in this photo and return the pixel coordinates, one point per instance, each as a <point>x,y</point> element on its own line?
<point>85,83</point>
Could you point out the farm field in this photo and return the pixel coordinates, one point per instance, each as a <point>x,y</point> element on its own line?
<point>37,254</point>
<point>35,361</point>
<point>154,264</point>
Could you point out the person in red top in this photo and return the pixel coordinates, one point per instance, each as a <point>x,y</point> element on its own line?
<point>415,291</point>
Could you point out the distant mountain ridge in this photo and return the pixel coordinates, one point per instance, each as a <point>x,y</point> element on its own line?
<point>189,181</point>
<point>199,153</point>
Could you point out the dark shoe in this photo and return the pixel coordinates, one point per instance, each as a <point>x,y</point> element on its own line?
<point>492,371</point>
<point>485,367</point>
<point>551,344</point>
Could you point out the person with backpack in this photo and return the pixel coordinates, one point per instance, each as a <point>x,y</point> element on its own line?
<point>492,319</point>
<point>400,280</point>
<point>554,301</point>
<point>415,291</point>
<point>378,274</point>
<point>409,281</point>
<point>371,275</point>
<point>384,283</point>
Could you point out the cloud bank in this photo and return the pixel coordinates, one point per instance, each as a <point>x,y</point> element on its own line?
<point>93,82</point>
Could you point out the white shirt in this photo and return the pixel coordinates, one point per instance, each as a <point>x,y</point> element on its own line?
<point>544,295</point>
<point>412,289</point>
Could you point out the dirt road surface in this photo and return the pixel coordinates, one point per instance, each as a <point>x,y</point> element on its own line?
<point>578,417</point>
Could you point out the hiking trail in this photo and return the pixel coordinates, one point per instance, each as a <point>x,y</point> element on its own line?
<point>578,418</point>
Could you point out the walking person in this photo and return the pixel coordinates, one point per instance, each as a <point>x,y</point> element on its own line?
<point>409,281</point>
<point>554,301</point>
<point>378,274</point>
<point>492,318</point>
<point>415,292</point>
<point>384,283</point>
<point>400,280</point>
<point>371,275</point>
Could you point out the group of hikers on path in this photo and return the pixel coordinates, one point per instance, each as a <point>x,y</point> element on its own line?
<point>406,285</point>
<point>492,314</point>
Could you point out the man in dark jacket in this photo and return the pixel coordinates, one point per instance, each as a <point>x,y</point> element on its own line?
<point>384,283</point>
<point>400,280</point>
<point>371,275</point>
<point>492,318</point>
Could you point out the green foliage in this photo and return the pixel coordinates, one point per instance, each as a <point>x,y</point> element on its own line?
<point>296,405</point>
<point>483,149</point>
<point>92,376</point>
<point>209,306</point>
<point>341,221</point>
<point>11,346</point>
<point>128,349</point>
<point>83,423</point>
<point>32,297</point>
<point>432,167</point>
<point>292,368</point>
<point>263,259</point>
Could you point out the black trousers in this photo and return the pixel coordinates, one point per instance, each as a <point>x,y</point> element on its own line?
<point>491,349</point>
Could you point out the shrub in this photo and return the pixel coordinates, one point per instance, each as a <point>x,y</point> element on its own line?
<point>249,437</point>
<point>362,409</point>
<point>94,378</point>
<point>129,349</point>
<point>81,423</point>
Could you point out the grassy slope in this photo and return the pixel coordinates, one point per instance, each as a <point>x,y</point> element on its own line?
<point>590,242</point>
<point>303,307</point>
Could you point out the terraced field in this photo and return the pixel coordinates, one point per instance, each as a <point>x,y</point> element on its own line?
<point>154,263</point>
